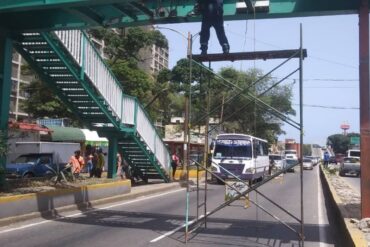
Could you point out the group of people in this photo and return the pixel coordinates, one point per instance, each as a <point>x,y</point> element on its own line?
<point>93,160</point>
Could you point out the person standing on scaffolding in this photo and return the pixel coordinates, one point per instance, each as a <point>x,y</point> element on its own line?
<point>212,15</point>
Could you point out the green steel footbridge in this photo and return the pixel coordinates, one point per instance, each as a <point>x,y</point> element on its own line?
<point>47,33</point>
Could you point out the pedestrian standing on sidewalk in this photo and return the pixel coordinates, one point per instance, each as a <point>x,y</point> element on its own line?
<point>326,159</point>
<point>88,158</point>
<point>119,166</point>
<point>100,163</point>
<point>77,163</point>
<point>174,163</point>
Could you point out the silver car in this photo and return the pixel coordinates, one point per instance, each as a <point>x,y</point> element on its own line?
<point>279,161</point>
<point>350,165</point>
<point>307,164</point>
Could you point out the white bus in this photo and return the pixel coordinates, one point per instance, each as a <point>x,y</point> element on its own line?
<point>244,156</point>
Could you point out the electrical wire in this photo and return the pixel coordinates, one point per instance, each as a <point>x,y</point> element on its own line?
<point>330,107</point>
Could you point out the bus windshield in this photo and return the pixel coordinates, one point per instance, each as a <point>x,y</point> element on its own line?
<point>233,149</point>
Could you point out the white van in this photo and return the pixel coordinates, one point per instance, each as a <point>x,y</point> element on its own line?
<point>353,153</point>
<point>291,154</point>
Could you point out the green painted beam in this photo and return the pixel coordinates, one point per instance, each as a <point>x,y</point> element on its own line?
<point>69,14</point>
<point>6,48</point>
<point>112,156</point>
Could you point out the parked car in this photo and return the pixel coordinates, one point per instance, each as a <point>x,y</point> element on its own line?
<point>307,164</point>
<point>279,161</point>
<point>33,165</point>
<point>289,163</point>
<point>350,165</point>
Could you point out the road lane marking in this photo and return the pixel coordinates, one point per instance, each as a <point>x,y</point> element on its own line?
<point>176,229</point>
<point>95,209</point>
<point>320,209</point>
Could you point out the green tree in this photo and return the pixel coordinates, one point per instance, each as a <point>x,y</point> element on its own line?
<point>243,114</point>
<point>42,102</point>
<point>340,143</point>
<point>240,113</point>
<point>307,151</point>
<point>126,43</point>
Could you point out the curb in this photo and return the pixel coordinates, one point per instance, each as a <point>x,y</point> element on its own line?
<point>136,192</point>
<point>352,236</point>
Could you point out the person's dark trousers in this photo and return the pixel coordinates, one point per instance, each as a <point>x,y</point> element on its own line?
<point>92,172</point>
<point>126,172</point>
<point>174,167</point>
<point>98,172</point>
<point>218,24</point>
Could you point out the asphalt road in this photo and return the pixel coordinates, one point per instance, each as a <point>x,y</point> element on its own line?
<point>149,221</point>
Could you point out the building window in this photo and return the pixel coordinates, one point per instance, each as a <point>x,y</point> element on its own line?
<point>14,88</point>
<point>14,70</point>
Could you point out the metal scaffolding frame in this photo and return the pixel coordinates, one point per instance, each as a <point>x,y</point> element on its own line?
<point>288,54</point>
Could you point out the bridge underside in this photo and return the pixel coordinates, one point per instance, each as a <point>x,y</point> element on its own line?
<point>21,15</point>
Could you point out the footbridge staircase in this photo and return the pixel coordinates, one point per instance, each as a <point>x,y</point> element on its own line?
<point>69,63</point>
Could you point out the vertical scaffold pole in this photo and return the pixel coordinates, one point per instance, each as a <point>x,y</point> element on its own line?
<point>364,107</point>
<point>206,145</point>
<point>6,47</point>
<point>187,135</point>
<point>301,129</point>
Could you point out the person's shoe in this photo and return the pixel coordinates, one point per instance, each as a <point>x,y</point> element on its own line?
<point>204,49</point>
<point>225,48</point>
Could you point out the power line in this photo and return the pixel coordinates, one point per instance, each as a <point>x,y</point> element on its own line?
<point>322,79</point>
<point>279,47</point>
<point>330,107</point>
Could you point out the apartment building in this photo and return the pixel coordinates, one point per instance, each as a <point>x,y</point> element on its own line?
<point>154,59</point>
<point>18,94</point>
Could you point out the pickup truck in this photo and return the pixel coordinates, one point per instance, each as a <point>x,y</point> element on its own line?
<point>33,165</point>
<point>350,165</point>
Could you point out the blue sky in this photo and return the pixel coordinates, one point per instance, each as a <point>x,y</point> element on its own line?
<point>330,71</point>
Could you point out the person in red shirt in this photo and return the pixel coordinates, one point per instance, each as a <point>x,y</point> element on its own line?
<point>174,163</point>
<point>77,163</point>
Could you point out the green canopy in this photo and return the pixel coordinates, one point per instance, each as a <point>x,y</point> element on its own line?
<point>66,134</point>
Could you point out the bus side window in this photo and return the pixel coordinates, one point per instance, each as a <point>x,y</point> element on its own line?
<point>261,149</point>
<point>265,149</point>
<point>255,148</point>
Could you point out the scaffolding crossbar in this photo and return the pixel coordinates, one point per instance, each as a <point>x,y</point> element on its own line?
<point>256,55</point>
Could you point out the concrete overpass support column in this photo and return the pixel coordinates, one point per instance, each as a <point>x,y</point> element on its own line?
<point>112,156</point>
<point>5,87</point>
<point>364,107</point>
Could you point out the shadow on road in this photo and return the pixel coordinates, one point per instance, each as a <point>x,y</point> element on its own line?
<point>220,231</point>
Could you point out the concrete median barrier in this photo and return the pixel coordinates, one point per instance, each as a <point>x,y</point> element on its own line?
<point>344,211</point>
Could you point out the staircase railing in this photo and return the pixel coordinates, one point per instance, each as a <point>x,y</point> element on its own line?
<point>126,108</point>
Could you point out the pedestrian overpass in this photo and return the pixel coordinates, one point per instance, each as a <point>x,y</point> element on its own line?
<point>71,66</point>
